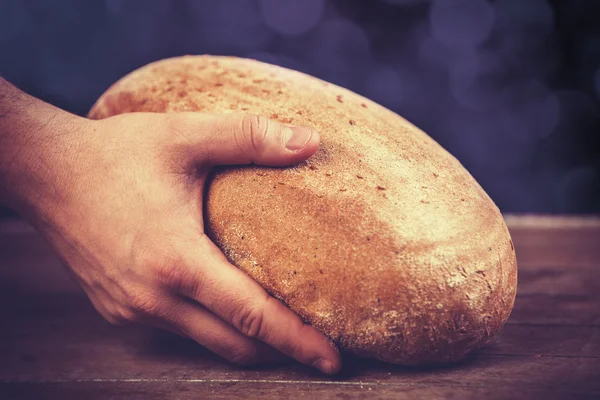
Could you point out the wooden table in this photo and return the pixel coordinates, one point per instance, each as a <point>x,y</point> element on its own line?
<point>54,345</point>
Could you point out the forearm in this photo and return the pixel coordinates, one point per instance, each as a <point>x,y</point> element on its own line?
<point>34,140</point>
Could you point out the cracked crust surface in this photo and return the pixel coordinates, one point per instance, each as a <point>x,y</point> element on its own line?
<point>382,240</point>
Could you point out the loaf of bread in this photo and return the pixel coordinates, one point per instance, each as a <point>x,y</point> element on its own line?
<point>382,240</point>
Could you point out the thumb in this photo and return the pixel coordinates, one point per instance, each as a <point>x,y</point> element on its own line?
<point>244,139</point>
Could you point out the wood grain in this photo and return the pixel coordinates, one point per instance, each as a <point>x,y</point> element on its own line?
<point>259,390</point>
<point>555,242</point>
<point>54,345</point>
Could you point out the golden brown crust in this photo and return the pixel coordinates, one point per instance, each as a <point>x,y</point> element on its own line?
<point>382,240</point>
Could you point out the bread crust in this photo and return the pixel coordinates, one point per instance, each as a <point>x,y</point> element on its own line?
<point>382,240</point>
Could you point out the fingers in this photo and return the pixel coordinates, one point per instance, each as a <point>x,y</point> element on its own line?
<point>230,294</point>
<point>245,139</point>
<point>194,321</point>
<point>187,318</point>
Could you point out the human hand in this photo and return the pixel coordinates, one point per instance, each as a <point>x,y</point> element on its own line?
<point>123,209</point>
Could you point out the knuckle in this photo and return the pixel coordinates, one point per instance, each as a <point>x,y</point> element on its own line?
<point>249,320</point>
<point>168,268</point>
<point>109,313</point>
<point>126,315</point>
<point>114,319</point>
<point>171,275</point>
<point>176,276</point>
<point>243,356</point>
<point>254,132</point>
<point>142,303</point>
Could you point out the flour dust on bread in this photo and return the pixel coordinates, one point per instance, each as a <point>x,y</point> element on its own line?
<point>381,240</point>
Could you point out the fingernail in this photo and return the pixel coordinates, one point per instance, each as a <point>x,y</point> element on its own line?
<point>324,366</point>
<point>297,137</point>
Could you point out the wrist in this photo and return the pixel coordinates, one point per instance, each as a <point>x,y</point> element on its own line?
<point>37,141</point>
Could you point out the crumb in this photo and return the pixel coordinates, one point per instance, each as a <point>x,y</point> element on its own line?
<point>352,122</point>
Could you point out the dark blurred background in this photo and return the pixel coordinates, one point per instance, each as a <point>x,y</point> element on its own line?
<point>510,87</point>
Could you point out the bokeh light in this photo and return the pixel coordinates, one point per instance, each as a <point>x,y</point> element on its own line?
<point>390,86</point>
<point>338,51</point>
<point>522,30</point>
<point>510,87</point>
<point>291,17</point>
<point>463,23</point>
